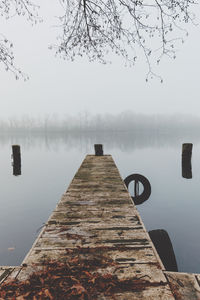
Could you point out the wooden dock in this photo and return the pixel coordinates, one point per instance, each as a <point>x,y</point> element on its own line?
<point>96,233</point>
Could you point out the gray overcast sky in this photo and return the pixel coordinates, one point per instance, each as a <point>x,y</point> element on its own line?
<point>63,87</point>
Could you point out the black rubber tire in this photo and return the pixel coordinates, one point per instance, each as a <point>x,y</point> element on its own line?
<point>146,184</point>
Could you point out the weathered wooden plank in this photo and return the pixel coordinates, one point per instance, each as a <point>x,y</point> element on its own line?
<point>184,286</point>
<point>8,273</point>
<point>71,241</point>
<point>26,271</point>
<point>89,210</point>
<point>150,293</point>
<point>4,273</point>
<point>94,233</point>
<point>91,231</point>
<point>116,220</point>
<point>128,255</point>
<point>197,276</point>
<point>92,204</point>
<point>91,214</point>
<point>122,267</point>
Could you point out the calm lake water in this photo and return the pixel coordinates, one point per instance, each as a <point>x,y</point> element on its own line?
<point>49,162</point>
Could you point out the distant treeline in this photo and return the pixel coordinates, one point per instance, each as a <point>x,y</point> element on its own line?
<point>85,122</point>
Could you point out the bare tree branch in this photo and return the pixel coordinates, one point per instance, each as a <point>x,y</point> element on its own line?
<point>95,27</point>
<point>9,9</point>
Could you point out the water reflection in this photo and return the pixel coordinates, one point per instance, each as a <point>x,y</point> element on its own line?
<point>137,178</point>
<point>16,160</point>
<point>123,140</point>
<point>186,160</point>
<point>163,245</point>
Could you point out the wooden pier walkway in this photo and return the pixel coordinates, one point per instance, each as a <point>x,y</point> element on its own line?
<point>96,233</point>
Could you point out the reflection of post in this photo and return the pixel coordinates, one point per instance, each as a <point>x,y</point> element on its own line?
<point>163,245</point>
<point>16,160</point>
<point>186,160</point>
<point>98,149</point>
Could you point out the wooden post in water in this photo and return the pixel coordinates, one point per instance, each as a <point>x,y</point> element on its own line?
<point>16,155</point>
<point>186,160</point>
<point>98,149</point>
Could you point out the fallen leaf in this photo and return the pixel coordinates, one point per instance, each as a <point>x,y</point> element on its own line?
<point>78,289</point>
<point>20,298</point>
<point>48,294</point>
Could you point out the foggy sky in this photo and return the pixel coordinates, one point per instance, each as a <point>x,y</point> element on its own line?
<point>63,87</point>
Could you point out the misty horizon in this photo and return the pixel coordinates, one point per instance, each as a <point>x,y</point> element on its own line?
<point>85,121</point>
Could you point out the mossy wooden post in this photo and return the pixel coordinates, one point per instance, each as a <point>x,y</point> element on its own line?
<point>186,160</point>
<point>16,155</point>
<point>98,149</point>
